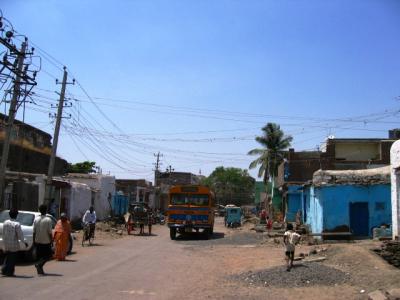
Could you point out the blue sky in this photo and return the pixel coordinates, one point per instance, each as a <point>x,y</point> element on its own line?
<point>196,80</point>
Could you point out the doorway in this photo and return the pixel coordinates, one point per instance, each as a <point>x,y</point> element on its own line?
<point>359,219</point>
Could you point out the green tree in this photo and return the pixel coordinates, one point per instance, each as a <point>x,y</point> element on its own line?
<point>274,142</point>
<point>231,186</point>
<point>86,167</point>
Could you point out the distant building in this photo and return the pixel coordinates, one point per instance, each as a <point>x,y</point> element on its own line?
<point>164,180</point>
<point>260,194</point>
<point>176,178</point>
<point>137,190</point>
<point>355,201</point>
<point>30,149</point>
<point>336,154</point>
<point>102,190</point>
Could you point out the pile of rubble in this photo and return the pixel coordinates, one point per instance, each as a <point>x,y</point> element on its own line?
<point>112,228</point>
<point>306,274</point>
<point>390,251</point>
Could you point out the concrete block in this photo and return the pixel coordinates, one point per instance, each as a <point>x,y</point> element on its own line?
<point>377,295</point>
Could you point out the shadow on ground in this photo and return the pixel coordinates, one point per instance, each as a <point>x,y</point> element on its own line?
<point>193,236</point>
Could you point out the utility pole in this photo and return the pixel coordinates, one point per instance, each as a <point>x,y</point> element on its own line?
<point>157,168</point>
<point>170,169</point>
<point>156,174</point>
<point>10,121</point>
<point>50,172</point>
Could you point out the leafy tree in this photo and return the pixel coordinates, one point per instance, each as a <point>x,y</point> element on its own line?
<point>274,143</point>
<point>231,186</point>
<point>86,167</point>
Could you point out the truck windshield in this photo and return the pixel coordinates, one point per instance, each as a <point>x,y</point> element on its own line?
<point>189,199</point>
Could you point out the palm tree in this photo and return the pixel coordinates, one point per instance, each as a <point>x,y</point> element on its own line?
<point>271,156</point>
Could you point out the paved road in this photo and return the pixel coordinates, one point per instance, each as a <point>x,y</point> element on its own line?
<point>133,267</point>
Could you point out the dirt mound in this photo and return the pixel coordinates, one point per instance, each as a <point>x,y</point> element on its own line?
<point>306,274</point>
<point>390,251</point>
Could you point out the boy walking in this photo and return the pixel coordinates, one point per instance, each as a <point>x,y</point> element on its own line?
<point>290,239</point>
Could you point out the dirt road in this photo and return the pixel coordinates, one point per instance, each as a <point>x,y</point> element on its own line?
<point>232,265</point>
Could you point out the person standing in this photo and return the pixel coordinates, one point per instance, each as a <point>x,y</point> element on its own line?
<point>12,235</point>
<point>290,239</point>
<point>61,237</point>
<point>42,232</point>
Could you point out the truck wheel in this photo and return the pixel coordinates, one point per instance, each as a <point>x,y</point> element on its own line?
<point>206,233</point>
<point>172,233</point>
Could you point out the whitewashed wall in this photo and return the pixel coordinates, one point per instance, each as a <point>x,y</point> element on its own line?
<point>395,180</point>
<point>102,185</point>
<point>78,200</point>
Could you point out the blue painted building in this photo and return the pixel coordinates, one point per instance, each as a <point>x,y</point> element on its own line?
<point>294,201</point>
<point>357,199</point>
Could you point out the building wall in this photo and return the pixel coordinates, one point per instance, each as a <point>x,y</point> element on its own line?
<point>30,149</point>
<point>102,186</point>
<point>294,202</point>
<point>358,151</point>
<point>260,192</point>
<point>335,201</point>
<point>77,200</point>
<point>395,191</point>
<point>314,209</point>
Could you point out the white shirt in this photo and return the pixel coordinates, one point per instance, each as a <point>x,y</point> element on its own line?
<point>291,240</point>
<point>12,235</point>
<point>42,228</point>
<point>89,217</point>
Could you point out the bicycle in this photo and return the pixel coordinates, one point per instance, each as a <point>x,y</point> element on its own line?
<point>88,233</point>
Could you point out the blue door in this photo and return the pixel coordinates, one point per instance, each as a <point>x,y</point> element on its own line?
<point>359,218</point>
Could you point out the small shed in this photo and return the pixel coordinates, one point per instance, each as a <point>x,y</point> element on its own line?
<point>348,200</point>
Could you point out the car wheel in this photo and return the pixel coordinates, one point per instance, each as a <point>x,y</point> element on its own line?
<point>172,233</point>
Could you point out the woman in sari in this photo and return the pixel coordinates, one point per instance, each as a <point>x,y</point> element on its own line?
<point>61,236</point>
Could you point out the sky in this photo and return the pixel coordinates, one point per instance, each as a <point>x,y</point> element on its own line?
<point>197,80</point>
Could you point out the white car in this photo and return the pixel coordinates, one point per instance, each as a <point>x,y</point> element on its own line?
<point>26,218</point>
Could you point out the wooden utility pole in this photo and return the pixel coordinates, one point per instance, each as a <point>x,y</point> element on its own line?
<point>50,173</point>
<point>10,121</point>
<point>157,168</point>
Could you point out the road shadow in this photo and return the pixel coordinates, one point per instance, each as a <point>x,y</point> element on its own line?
<point>68,260</point>
<point>299,265</point>
<point>194,236</point>
<point>51,274</point>
<point>18,276</point>
<point>93,245</point>
<point>143,235</point>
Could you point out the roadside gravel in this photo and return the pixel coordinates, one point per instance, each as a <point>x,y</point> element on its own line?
<point>301,275</point>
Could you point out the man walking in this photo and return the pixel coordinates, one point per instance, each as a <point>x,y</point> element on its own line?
<point>12,235</point>
<point>42,232</point>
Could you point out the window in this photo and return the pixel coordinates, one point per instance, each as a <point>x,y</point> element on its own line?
<point>187,199</point>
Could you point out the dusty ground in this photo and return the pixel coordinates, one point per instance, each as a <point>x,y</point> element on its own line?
<point>154,267</point>
<point>350,271</point>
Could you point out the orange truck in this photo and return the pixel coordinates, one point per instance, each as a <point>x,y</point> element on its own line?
<point>190,208</point>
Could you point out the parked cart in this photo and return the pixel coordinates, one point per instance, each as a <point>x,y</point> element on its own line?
<point>138,217</point>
